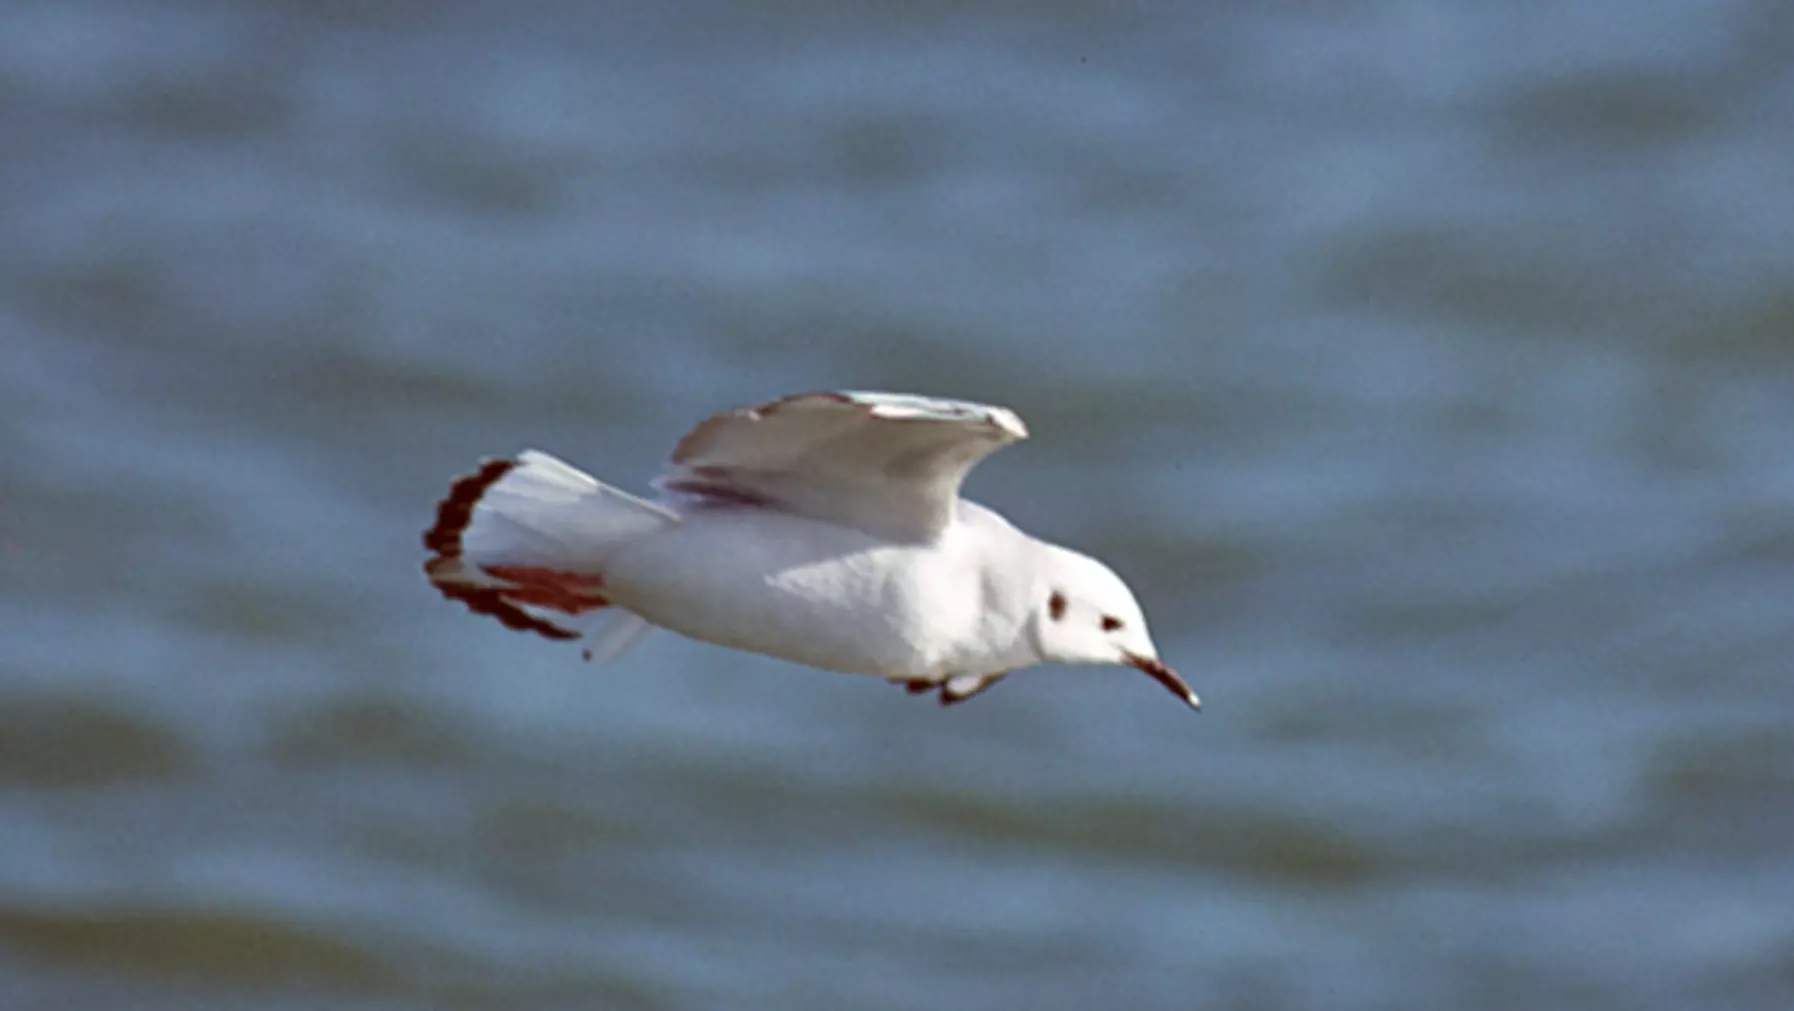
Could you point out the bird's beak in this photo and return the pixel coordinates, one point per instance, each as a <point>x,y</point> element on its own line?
<point>1165,676</point>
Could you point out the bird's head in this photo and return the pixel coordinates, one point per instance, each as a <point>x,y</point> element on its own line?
<point>1086,614</point>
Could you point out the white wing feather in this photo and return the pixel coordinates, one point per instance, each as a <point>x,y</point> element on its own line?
<point>890,464</point>
<point>514,522</point>
<point>545,512</point>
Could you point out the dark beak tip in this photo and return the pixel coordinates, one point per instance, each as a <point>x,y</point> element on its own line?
<point>1167,677</point>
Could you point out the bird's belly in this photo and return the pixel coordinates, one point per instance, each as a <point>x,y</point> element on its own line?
<point>803,591</point>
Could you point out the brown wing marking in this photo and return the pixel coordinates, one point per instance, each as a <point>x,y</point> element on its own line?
<point>445,568</point>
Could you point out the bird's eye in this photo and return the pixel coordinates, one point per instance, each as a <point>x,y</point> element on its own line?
<point>1111,623</point>
<point>1056,605</point>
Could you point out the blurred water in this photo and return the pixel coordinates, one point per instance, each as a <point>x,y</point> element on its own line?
<point>1429,370</point>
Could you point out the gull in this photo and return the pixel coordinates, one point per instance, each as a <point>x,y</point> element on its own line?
<point>825,529</point>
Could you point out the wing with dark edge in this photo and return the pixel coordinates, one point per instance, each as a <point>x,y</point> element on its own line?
<point>445,567</point>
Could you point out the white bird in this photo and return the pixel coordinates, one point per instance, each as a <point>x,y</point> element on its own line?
<point>822,528</point>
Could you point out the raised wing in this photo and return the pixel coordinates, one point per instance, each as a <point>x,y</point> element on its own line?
<point>887,463</point>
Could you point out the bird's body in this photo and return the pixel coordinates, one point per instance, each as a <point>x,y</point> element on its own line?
<point>835,597</point>
<point>824,529</point>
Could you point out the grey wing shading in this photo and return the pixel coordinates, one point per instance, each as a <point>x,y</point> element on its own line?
<point>890,464</point>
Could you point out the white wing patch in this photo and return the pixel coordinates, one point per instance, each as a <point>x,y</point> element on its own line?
<point>889,464</point>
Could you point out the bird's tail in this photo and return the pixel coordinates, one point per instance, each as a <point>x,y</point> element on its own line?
<point>526,542</point>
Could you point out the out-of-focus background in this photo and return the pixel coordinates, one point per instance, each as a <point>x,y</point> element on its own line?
<point>1428,369</point>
